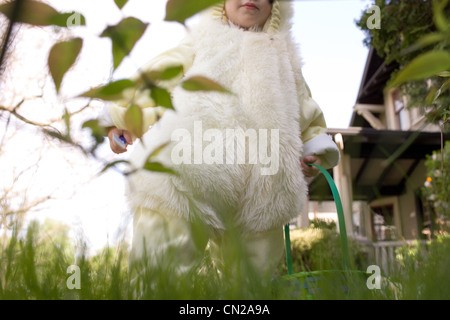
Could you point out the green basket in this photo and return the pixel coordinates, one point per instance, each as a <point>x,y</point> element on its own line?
<point>317,283</point>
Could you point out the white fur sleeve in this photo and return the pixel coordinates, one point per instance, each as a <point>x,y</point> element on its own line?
<point>104,118</point>
<point>324,147</point>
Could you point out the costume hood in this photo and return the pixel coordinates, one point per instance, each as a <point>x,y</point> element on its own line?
<point>280,19</point>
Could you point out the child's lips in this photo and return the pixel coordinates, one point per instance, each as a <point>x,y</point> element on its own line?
<point>250,6</point>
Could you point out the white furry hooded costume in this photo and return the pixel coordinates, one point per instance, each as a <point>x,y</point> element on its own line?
<point>263,72</point>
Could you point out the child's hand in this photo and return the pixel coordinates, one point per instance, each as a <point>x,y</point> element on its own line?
<point>310,171</point>
<point>113,144</point>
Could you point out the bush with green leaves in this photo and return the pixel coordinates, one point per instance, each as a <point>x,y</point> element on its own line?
<point>436,191</point>
<point>319,248</point>
<point>322,223</point>
<point>415,35</point>
<point>424,270</point>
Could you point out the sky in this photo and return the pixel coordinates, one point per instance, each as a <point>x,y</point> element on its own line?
<point>334,58</point>
<point>333,53</point>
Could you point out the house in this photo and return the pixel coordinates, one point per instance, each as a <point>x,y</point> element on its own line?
<point>382,165</point>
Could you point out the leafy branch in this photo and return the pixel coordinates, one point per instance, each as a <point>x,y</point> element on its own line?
<point>416,34</point>
<point>124,36</point>
<point>433,63</point>
<point>13,111</point>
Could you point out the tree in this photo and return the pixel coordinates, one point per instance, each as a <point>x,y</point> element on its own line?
<point>416,35</point>
<point>124,35</point>
<point>58,120</point>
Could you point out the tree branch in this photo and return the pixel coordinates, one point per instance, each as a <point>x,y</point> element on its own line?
<point>13,111</point>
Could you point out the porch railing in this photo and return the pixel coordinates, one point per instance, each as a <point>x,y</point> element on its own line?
<point>383,253</point>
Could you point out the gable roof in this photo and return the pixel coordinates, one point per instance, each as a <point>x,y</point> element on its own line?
<point>381,160</point>
<point>375,76</point>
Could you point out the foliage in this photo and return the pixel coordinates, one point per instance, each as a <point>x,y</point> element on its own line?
<point>416,35</point>
<point>124,36</point>
<point>436,190</point>
<point>322,224</point>
<point>403,23</point>
<point>180,10</point>
<point>34,262</point>
<point>35,265</point>
<point>61,57</point>
<point>26,271</point>
<point>319,249</point>
<point>424,273</point>
<point>35,13</point>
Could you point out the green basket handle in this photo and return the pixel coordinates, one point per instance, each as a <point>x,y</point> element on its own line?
<point>341,219</point>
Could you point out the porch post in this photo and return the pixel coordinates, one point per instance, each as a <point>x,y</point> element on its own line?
<point>343,180</point>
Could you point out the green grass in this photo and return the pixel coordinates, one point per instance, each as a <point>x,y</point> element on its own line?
<point>34,265</point>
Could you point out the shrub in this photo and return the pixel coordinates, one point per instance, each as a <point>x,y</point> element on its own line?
<point>320,249</point>
<point>322,224</point>
<point>424,273</point>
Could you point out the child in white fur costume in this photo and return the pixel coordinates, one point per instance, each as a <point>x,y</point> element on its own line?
<point>247,47</point>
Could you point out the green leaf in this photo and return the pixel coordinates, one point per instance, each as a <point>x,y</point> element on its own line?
<point>438,14</point>
<point>66,117</point>
<point>158,167</point>
<point>161,97</point>
<point>62,56</point>
<point>445,86</point>
<point>431,96</point>
<point>39,14</point>
<point>151,77</point>
<point>171,72</point>
<point>124,36</point>
<point>113,164</point>
<point>425,41</point>
<point>121,3</point>
<point>98,131</point>
<point>424,66</point>
<point>57,135</point>
<point>70,19</point>
<point>134,120</point>
<point>444,74</point>
<point>110,92</point>
<point>180,10</point>
<point>200,83</point>
<point>157,151</point>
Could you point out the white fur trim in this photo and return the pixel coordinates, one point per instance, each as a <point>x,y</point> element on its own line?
<point>104,118</point>
<point>263,72</point>
<point>323,146</point>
